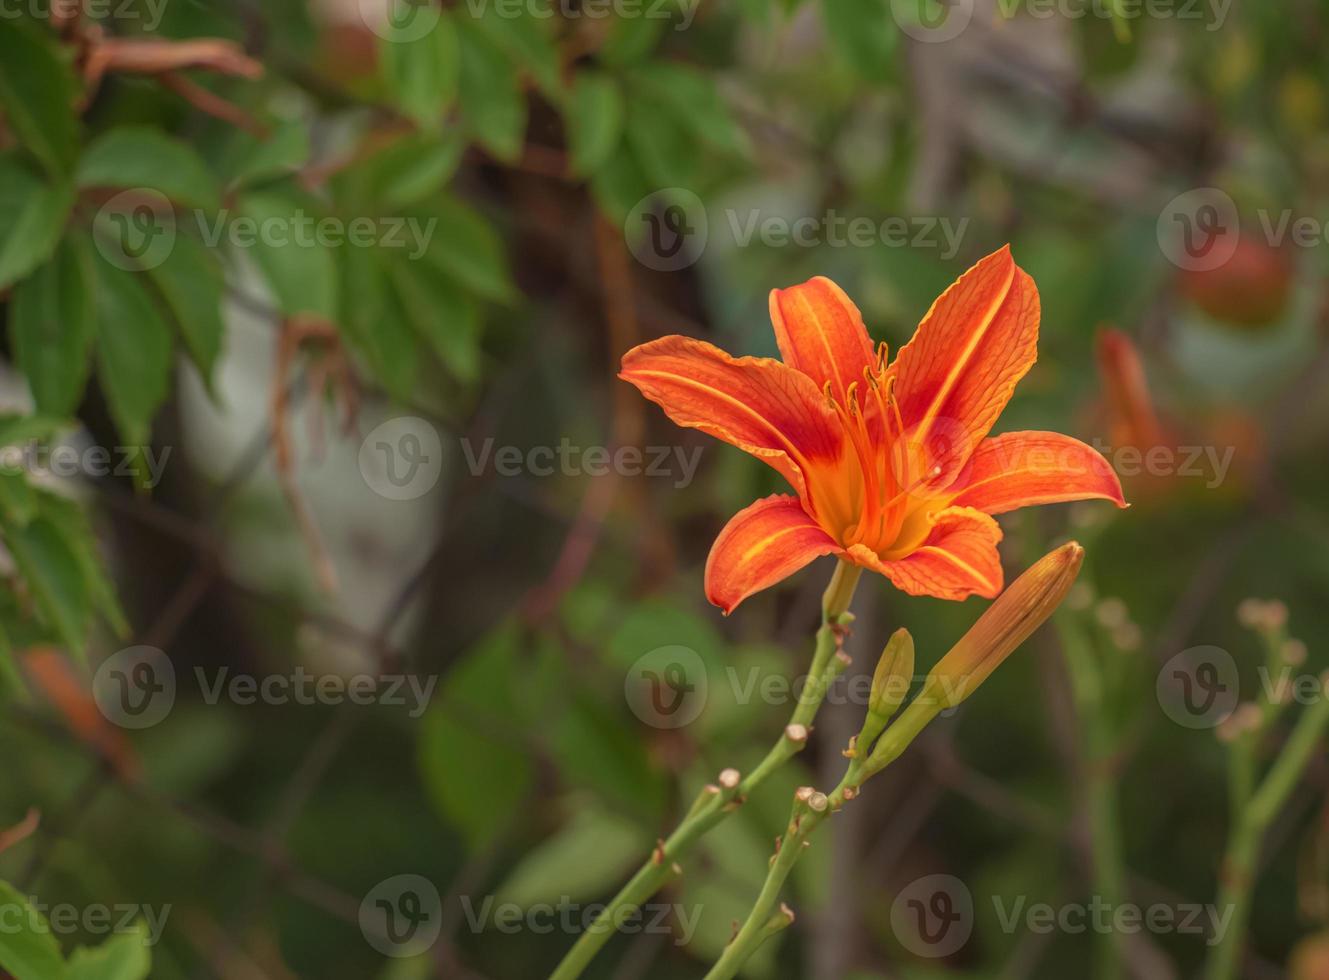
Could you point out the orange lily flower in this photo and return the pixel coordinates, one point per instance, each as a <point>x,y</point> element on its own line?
<point>891,464</point>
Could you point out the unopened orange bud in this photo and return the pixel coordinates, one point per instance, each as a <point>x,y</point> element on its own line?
<point>1134,421</point>
<point>1007,623</point>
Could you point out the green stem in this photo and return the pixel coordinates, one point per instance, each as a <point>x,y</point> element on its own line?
<point>1097,747</point>
<point>712,807</point>
<point>764,921</point>
<point>1253,815</point>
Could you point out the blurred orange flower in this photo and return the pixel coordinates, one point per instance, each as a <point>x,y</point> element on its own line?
<point>891,464</point>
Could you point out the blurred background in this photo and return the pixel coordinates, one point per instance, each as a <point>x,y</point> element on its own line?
<point>353,623</point>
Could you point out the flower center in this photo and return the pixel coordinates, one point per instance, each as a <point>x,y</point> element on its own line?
<point>879,496</point>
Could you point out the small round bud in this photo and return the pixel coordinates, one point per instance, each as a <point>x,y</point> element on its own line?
<point>818,802</point>
<point>798,734</point>
<point>1112,613</point>
<point>1294,653</point>
<point>729,778</point>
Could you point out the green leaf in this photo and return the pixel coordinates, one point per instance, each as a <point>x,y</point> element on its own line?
<point>421,74</point>
<point>53,573</point>
<point>584,859</point>
<point>595,120</point>
<point>17,429</point>
<point>18,501</point>
<point>140,157</point>
<point>525,39</point>
<point>631,39</point>
<point>373,323</point>
<point>474,761</point>
<point>191,283</point>
<point>37,93</point>
<point>619,184</point>
<point>596,749</point>
<point>301,271</point>
<point>667,151</point>
<point>863,33</point>
<point>133,352</point>
<point>491,96</point>
<point>28,949</point>
<point>442,315</point>
<point>692,99</point>
<point>72,523</point>
<point>408,170</point>
<point>465,247</point>
<point>32,219</point>
<point>124,956</point>
<point>52,325</point>
<point>249,160</point>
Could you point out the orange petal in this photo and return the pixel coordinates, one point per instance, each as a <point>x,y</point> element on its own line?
<point>957,559</point>
<point>957,373</point>
<point>821,333</point>
<point>1022,469</point>
<point>755,403</point>
<point>761,545</point>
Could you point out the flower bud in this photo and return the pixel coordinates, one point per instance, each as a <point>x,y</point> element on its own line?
<point>890,684</point>
<point>1013,616</point>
